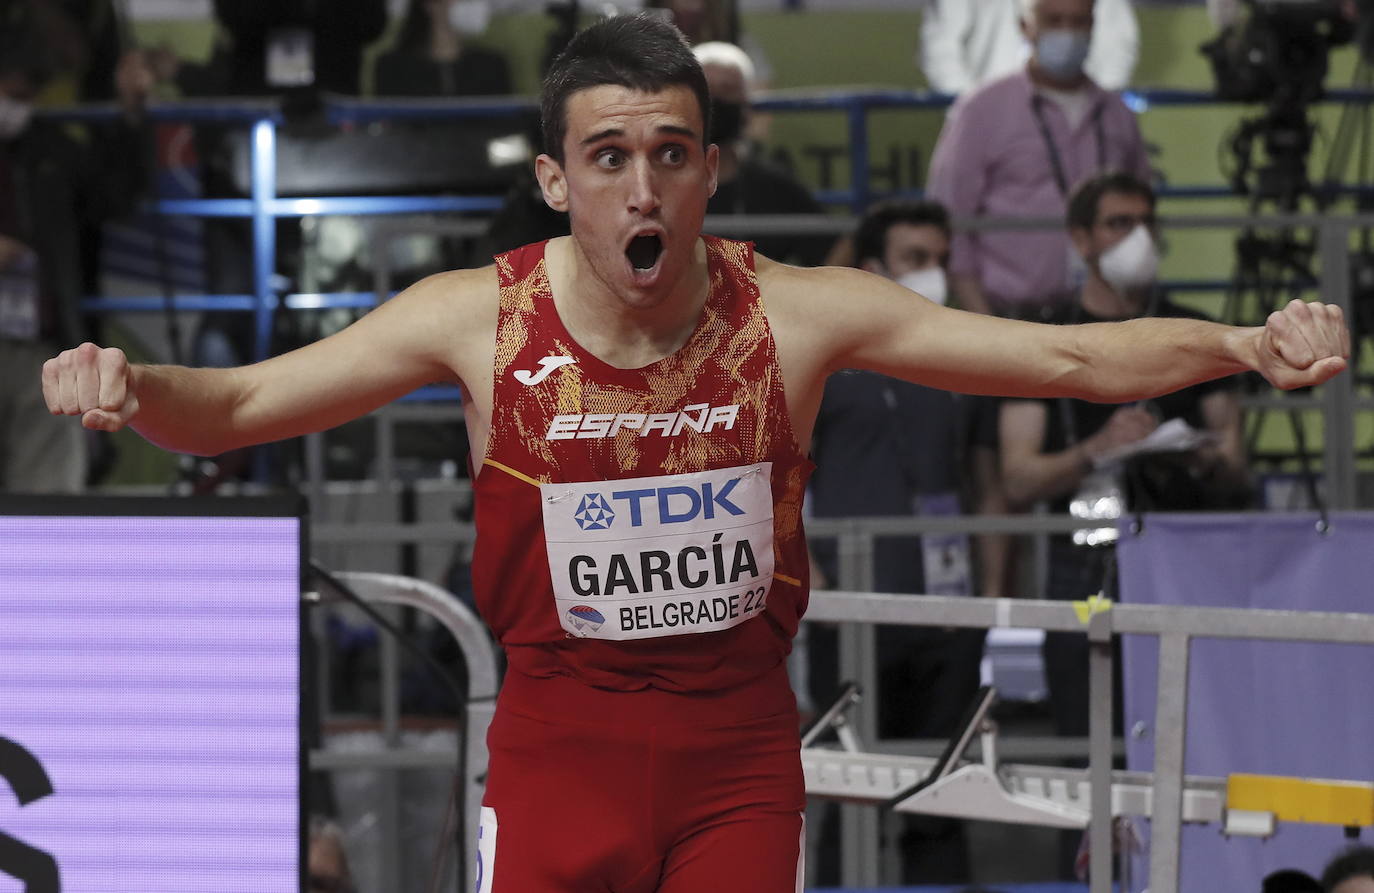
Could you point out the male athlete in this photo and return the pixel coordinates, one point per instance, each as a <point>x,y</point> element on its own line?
<point>636,395</point>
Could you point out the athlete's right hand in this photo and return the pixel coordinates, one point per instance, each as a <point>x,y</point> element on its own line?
<point>94,383</point>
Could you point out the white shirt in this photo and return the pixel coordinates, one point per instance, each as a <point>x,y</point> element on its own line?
<point>966,43</point>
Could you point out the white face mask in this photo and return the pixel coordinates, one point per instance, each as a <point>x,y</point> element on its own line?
<point>1131,264</point>
<point>1061,53</point>
<point>470,17</point>
<point>929,282</point>
<point>14,117</point>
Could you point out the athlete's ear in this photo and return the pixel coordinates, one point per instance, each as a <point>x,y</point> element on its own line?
<point>712,166</point>
<point>552,181</point>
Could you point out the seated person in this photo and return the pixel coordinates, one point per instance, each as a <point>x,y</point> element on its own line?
<point>887,447</point>
<point>1051,449</point>
<point>747,183</point>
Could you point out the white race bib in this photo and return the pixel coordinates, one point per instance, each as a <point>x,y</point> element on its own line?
<point>658,556</point>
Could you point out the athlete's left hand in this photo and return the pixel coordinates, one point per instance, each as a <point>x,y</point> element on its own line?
<point>1303,344</point>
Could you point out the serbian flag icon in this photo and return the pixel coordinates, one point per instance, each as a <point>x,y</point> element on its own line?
<point>583,616</point>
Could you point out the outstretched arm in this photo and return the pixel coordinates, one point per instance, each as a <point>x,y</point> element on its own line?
<point>851,319</point>
<point>421,336</point>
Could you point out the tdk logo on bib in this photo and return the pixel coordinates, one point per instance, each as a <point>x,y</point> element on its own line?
<point>593,513</point>
<point>664,505</point>
<point>660,556</point>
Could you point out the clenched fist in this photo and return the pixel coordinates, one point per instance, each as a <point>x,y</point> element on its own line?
<point>1303,344</point>
<point>94,383</point>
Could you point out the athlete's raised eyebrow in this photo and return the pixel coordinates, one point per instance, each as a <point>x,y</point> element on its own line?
<point>603,134</point>
<point>617,131</point>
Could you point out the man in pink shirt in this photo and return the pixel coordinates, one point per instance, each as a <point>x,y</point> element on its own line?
<point>1016,147</point>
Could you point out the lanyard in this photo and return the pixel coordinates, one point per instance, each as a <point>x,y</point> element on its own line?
<point>1056,160</point>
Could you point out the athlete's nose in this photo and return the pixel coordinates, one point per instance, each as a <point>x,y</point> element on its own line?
<point>643,197</point>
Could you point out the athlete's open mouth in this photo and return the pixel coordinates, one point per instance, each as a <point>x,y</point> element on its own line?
<point>644,251</point>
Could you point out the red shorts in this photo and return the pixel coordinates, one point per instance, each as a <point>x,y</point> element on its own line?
<point>634,792</point>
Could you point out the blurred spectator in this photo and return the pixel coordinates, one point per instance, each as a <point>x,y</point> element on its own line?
<point>83,41</point>
<point>1054,449</point>
<point>1352,871</point>
<point>967,43</point>
<point>326,860</point>
<point>1063,450</point>
<point>432,57</point>
<point>748,183</point>
<point>291,48</point>
<point>716,21</point>
<point>1015,148</point>
<point>52,189</point>
<point>886,447</point>
<point>85,48</point>
<point>702,21</point>
<point>276,45</point>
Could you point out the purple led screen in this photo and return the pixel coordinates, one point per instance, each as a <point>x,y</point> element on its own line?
<point>151,667</point>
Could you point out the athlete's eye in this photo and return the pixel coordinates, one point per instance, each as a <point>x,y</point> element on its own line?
<point>609,159</point>
<point>674,154</point>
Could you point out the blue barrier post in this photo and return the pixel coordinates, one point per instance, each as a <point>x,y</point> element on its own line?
<point>263,190</point>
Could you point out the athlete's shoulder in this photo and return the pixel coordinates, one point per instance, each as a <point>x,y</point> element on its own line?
<point>457,285</point>
<point>471,295</point>
<point>454,312</point>
<point>784,283</point>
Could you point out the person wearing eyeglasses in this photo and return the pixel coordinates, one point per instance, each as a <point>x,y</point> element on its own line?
<point>1074,454</point>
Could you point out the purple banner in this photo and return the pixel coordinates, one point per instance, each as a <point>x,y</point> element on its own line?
<point>149,691</point>
<point>1277,708</point>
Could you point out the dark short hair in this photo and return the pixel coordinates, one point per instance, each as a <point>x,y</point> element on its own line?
<point>1084,202</point>
<point>870,239</point>
<point>1358,861</point>
<point>639,52</point>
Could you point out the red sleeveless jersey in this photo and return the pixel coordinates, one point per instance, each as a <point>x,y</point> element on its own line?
<point>641,527</point>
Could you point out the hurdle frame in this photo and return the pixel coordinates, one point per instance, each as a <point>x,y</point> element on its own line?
<point>1174,626</point>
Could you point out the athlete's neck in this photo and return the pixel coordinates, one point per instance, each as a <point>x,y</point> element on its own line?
<point>622,333</point>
